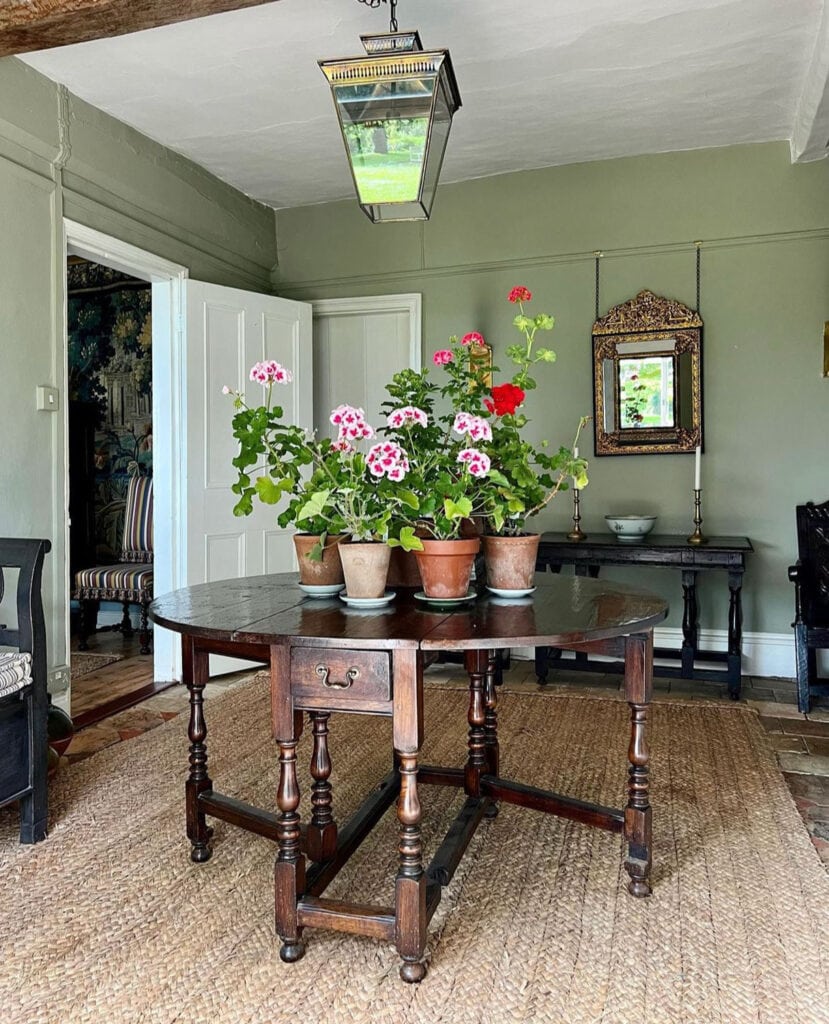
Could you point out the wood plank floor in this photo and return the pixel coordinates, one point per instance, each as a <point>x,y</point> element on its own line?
<point>116,686</point>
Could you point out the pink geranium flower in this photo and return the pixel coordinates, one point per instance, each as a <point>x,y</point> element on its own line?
<point>476,427</point>
<point>270,372</point>
<point>476,462</point>
<point>442,357</point>
<point>407,414</point>
<point>473,338</point>
<point>388,459</point>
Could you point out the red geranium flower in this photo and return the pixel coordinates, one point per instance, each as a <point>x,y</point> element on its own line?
<point>520,294</point>
<point>505,399</point>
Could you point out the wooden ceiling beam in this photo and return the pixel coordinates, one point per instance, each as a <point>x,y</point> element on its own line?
<point>27,25</point>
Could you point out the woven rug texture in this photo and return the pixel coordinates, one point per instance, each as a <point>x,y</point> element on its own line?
<point>109,921</point>
<point>81,663</point>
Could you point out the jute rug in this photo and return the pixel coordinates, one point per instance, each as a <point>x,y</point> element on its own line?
<point>82,663</point>
<point>109,921</point>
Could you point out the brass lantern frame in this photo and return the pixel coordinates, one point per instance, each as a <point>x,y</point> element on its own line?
<point>397,57</point>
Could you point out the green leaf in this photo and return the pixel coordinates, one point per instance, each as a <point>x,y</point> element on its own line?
<point>544,322</point>
<point>497,477</point>
<point>545,355</point>
<point>408,541</point>
<point>410,499</point>
<point>269,491</point>
<point>315,506</point>
<point>459,509</point>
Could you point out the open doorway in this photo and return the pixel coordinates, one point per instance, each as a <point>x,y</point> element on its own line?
<point>122,305</point>
<point>110,433</point>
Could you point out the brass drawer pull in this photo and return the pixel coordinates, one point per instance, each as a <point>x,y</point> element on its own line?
<point>323,672</point>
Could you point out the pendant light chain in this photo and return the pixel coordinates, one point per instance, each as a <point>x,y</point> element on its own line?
<point>699,250</point>
<point>374,4</point>
<point>598,256</point>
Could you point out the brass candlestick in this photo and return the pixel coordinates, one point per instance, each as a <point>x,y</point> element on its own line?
<point>576,534</point>
<point>697,537</point>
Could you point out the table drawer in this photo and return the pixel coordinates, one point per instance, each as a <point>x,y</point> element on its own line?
<point>347,680</point>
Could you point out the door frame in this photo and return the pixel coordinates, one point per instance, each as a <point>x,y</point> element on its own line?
<point>169,382</point>
<point>410,303</point>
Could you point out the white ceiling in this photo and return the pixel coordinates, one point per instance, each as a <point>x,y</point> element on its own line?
<point>543,82</point>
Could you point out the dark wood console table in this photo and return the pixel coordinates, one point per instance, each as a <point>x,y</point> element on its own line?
<point>323,657</point>
<point>727,554</point>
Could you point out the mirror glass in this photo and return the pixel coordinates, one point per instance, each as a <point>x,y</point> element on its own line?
<point>647,386</point>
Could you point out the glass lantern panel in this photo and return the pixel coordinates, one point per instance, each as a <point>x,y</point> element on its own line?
<point>441,123</point>
<point>386,128</point>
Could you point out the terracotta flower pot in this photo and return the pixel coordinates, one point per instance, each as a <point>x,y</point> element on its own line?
<point>510,561</point>
<point>446,565</point>
<point>366,568</point>
<point>324,573</point>
<point>403,570</point>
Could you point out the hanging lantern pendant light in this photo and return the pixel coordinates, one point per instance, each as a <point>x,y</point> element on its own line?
<point>395,108</point>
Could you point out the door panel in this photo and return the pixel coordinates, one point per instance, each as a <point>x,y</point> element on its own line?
<point>359,344</point>
<point>227,331</point>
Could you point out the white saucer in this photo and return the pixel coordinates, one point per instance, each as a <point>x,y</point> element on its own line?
<point>470,595</point>
<point>368,602</point>
<point>320,589</point>
<point>511,593</point>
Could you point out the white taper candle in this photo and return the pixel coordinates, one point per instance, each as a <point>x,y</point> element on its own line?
<point>697,467</point>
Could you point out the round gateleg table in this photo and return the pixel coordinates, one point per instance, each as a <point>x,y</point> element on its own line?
<point>325,657</point>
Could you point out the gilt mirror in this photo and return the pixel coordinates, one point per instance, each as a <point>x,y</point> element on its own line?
<point>647,378</point>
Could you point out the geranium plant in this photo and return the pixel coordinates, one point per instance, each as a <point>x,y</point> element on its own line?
<point>448,464</point>
<point>524,477</point>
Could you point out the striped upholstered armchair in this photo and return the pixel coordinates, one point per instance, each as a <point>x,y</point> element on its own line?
<point>131,581</point>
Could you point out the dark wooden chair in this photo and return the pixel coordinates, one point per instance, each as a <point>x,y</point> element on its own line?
<point>131,581</point>
<point>24,700</point>
<point>811,580</point>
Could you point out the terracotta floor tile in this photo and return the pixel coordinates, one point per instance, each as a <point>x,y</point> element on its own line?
<point>818,745</point>
<point>771,724</point>
<point>768,707</point>
<point>806,727</point>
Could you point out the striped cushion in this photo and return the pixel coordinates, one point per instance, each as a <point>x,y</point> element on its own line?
<point>15,672</point>
<point>115,583</point>
<point>138,521</point>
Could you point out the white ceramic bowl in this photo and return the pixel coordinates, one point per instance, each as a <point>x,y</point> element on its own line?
<point>630,529</point>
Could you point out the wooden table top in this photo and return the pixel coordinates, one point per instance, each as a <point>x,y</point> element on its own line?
<point>273,610</point>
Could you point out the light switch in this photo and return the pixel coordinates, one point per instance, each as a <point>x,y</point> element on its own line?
<point>48,398</point>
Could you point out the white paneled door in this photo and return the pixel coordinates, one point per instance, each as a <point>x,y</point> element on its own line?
<point>227,331</point>
<point>359,344</point>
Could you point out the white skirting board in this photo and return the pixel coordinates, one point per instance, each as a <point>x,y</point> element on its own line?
<point>764,654</point>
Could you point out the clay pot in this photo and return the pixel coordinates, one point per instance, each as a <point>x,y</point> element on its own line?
<point>403,570</point>
<point>510,561</point>
<point>366,568</point>
<point>446,565</point>
<point>324,573</point>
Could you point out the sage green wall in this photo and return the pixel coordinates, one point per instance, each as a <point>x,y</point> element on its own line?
<point>60,157</point>
<point>765,297</point>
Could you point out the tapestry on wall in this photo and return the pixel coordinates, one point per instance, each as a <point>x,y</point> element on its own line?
<point>110,388</point>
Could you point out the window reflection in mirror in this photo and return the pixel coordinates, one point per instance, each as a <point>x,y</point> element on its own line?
<point>646,392</point>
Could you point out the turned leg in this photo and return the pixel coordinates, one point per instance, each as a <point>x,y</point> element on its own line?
<point>735,635</point>
<point>144,629</point>
<point>638,690</point>
<point>690,622</point>
<point>126,621</point>
<point>492,750</point>
<point>477,663</point>
<point>289,869</point>
<point>410,887</point>
<point>321,840</point>
<point>196,671</point>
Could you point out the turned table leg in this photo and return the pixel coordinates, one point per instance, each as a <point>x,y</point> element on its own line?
<point>321,839</point>
<point>690,622</point>
<point>492,748</point>
<point>477,665</point>
<point>289,869</point>
<point>735,634</point>
<point>638,690</point>
<point>410,886</point>
<point>196,673</point>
